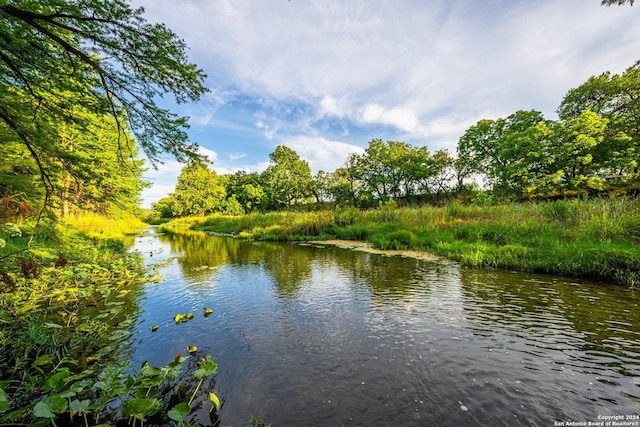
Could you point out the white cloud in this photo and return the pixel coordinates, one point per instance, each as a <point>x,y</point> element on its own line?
<point>427,69</point>
<point>401,117</point>
<point>322,154</point>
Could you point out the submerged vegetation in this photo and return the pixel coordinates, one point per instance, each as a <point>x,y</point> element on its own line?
<point>587,238</point>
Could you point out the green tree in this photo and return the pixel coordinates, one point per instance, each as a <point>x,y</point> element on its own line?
<point>86,174</point>
<point>617,99</point>
<point>164,207</point>
<point>573,154</point>
<point>391,169</point>
<point>199,191</point>
<point>321,182</point>
<point>288,178</point>
<point>58,57</point>
<point>437,173</point>
<point>507,152</point>
<point>248,190</point>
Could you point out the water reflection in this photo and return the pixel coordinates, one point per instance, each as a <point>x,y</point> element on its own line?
<point>321,336</point>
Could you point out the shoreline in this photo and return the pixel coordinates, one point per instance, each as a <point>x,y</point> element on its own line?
<point>366,247</point>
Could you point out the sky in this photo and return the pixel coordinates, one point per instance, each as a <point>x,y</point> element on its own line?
<point>325,77</point>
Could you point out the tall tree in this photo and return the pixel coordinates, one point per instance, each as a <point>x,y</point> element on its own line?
<point>104,57</point>
<point>247,188</point>
<point>199,191</point>
<point>505,151</point>
<point>288,178</point>
<point>615,97</point>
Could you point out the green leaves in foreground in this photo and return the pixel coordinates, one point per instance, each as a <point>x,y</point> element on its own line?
<point>141,408</point>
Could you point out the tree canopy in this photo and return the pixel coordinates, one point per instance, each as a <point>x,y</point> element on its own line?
<point>616,2</point>
<point>66,61</point>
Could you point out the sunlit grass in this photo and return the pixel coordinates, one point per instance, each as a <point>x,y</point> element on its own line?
<point>597,238</point>
<point>94,225</point>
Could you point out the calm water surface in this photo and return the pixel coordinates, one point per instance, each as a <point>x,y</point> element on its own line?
<point>323,336</point>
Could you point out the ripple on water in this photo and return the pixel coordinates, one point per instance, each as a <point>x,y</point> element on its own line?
<point>322,336</point>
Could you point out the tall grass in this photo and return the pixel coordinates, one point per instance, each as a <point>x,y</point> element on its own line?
<point>598,238</point>
<point>98,226</point>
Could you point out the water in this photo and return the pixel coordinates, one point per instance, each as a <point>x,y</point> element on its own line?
<point>323,336</point>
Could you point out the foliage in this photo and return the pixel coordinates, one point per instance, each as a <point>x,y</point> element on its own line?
<point>104,57</point>
<point>198,191</point>
<point>61,330</point>
<point>589,238</point>
<point>616,2</point>
<point>288,178</point>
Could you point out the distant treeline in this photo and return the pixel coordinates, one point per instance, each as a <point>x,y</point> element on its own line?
<point>593,148</point>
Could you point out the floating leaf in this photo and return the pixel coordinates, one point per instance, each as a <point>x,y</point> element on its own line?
<point>215,400</point>
<point>154,328</point>
<point>192,349</point>
<point>178,412</point>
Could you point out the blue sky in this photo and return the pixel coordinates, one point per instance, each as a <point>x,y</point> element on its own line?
<point>325,77</point>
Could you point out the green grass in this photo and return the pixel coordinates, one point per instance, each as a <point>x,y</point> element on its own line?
<point>597,239</point>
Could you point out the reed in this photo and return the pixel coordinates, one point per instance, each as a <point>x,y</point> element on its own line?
<point>588,238</point>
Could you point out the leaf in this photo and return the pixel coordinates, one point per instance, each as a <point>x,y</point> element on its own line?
<point>43,360</point>
<point>215,400</point>
<point>140,408</point>
<point>178,412</point>
<point>206,367</point>
<point>4,401</point>
<point>52,325</point>
<point>150,371</point>
<point>49,406</point>
<point>14,415</point>
<point>56,381</point>
<point>79,406</point>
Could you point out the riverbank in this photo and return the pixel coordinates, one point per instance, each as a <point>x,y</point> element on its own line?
<point>68,300</point>
<point>594,239</point>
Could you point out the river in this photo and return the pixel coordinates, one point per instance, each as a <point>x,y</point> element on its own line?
<point>310,335</point>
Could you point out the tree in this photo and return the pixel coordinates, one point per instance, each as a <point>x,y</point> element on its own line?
<point>438,173</point>
<point>508,152</point>
<point>198,191</point>
<point>86,174</point>
<point>288,178</point>
<point>616,2</point>
<point>247,188</point>
<point>573,155</point>
<point>390,169</point>
<point>617,99</point>
<point>104,57</point>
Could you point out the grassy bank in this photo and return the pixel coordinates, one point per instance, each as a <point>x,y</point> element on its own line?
<point>67,306</point>
<point>596,239</point>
